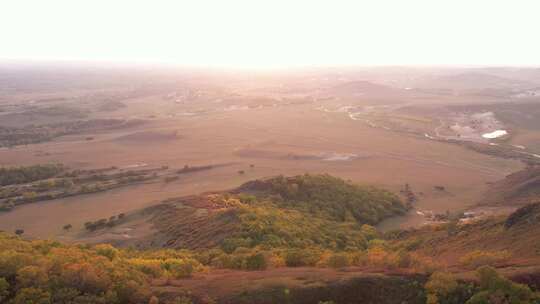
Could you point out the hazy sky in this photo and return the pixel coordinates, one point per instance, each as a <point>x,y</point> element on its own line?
<point>273,33</point>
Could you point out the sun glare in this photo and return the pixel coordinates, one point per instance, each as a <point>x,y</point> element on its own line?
<point>268,34</point>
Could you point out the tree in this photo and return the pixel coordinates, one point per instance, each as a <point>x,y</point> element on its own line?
<point>182,300</point>
<point>369,232</point>
<point>478,258</point>
<point>497,289</point>
<point>67,227</point>
<point>32,276</point>
<point>32,296</point>
<point>256,262</point>
<point>338,260</point>
<point>179,268</point>
<point>439,286</point>
<point>452,228</point>
<point>29,196</point>
<point>131,291</point>
<point>4,289</point>
<point>107,250</point>
<point>19,232</point>
<point>65,295</point>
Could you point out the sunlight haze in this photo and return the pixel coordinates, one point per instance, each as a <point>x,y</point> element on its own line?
<point>268,34</point>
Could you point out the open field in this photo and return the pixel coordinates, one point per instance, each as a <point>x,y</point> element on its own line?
<point>266,139</point>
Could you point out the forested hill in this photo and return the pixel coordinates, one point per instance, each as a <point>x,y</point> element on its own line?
<point>303,211</point>
<point>328,196</point>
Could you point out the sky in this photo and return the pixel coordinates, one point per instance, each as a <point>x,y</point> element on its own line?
<point>275,33</point>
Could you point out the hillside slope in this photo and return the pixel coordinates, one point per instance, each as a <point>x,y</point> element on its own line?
<point>515,239</point>
<point>516,189</point>
<point>302,211</point>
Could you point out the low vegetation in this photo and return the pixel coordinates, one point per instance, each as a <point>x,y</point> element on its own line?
<point>21,185</point>
<point>303,221</point>
<point>101,223</point>
<point>47,272</point>
<point>32,134</point>
<point>22,175</point>
<point>490,287</point>
<point>477,258</point>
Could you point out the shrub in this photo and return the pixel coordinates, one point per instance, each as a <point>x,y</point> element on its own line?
<point>256,261</point>
<point>4,289</point>
<point>424,264</point>
<point>358,258</point>
<point>151,267</point>
<point>178,268</point>
<point>130,291</point>
<point>229,245</point>
<point>21,175</point>
<point>403,259</point>
<point>338,260</point>
<point>377,256</point>
<point>222,261</point>
<point>479,258</point>
<point>50,272</point>
<point>521,214</point>
<point>301,257</point>
<point>32,296</point>
<point>182,300</point>
<point>440,285</point>
<point>107,251</point>
<point>369,232</point>
<point>276,260</point>
<point>32,276</point>
<point>497,289</point>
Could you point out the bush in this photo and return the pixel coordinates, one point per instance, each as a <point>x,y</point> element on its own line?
<point>479,258</point>
<point>403,259</point>
<point>50,272</point>
<point>21,175</point>
<point>522,214</point>
<point>377,256</point>
<point>4,289</point>
<point>369,232</point>
<point>32,296</point>
<point>107,251</point>
<point>358,258</point>
<point>256,261</point>
<point>229,245</point>
<point>153,300</point>
<point>301,257</point>
<point>497,289</point>
<point>151,267</point>
<point>179,268</point>
<point>338,260</point>
<point>440,285</point>
<point>32,276</point>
